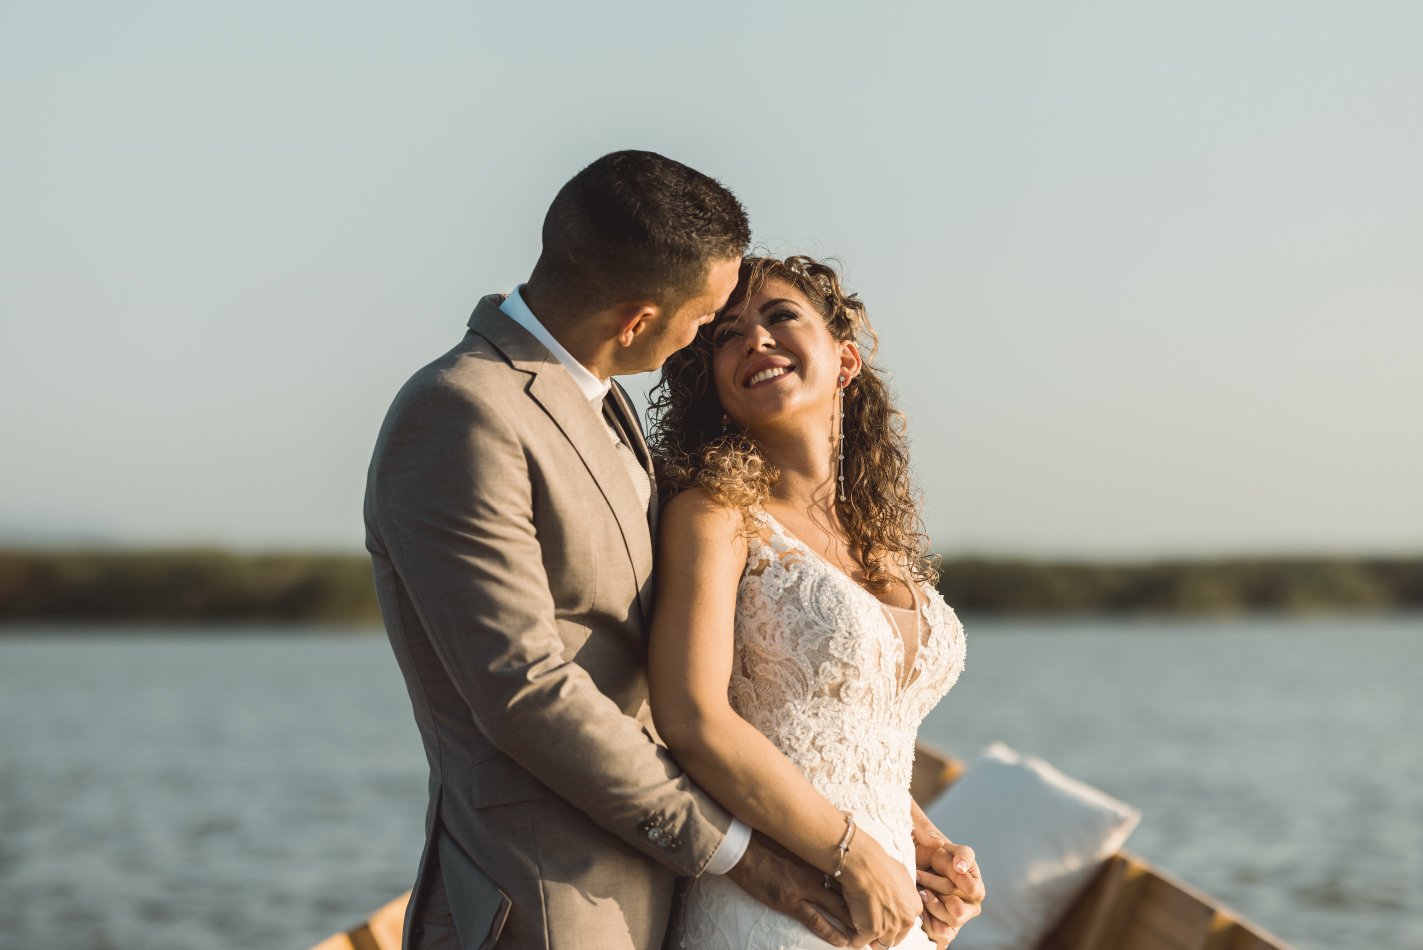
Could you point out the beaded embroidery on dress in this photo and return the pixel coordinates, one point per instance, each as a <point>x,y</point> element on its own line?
<point>818,669</point>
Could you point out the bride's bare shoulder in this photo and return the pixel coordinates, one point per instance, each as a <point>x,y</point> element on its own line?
<point>695,515</point>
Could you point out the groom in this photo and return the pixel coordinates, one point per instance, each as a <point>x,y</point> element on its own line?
<point>509,513</point>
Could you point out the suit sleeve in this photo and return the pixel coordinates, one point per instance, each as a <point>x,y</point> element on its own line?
<point>454,506</point>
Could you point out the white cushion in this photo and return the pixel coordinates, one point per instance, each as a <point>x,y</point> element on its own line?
<point>1039,836</point>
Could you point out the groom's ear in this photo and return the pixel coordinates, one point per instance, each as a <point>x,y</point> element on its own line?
<point>633,318</point>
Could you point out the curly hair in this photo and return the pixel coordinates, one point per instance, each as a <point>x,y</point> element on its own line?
<point>881,514</point>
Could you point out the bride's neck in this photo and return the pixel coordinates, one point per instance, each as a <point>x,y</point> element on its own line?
<point>808,474</point>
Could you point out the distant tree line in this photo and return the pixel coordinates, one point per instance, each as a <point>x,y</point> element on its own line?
<point>219,587</point>
<point>184,586</point>
<point>1226,586</point>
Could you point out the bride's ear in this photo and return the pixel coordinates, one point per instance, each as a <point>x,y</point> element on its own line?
<point>850,362</point>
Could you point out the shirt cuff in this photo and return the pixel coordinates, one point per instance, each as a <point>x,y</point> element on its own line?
<point>731,849</point>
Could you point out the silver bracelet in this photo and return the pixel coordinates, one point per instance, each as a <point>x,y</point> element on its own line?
<point>842,849</point>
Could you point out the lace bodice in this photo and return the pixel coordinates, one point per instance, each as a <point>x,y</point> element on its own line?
<point>818,670</point>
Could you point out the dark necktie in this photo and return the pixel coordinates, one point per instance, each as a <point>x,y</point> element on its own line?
<point>620,423</point>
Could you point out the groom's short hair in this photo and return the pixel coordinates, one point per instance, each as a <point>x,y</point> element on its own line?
<point>637,226</point>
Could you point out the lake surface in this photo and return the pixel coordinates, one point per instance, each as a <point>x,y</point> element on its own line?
<point>201,789</point>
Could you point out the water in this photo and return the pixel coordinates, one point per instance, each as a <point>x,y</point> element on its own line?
<point>255,790</point>
<point>1277,763</point>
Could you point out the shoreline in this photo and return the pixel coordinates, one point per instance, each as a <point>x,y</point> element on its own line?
<point>219,588</point>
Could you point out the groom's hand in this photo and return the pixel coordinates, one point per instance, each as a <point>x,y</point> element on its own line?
<point>783,882</point>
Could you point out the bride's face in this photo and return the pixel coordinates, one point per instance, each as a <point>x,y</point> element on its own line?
<point>774,360</point>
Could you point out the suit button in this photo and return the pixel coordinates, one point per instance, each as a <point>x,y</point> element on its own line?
<point>417,931</point>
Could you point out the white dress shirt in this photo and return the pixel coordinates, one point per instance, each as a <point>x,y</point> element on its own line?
<point>593,387</point>
<point>738,836</point>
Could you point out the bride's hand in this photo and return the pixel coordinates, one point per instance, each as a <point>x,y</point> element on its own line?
<point>951,888</point>
<point>884,905</point>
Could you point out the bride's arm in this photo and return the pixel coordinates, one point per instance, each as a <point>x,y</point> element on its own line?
<point>701,554</point>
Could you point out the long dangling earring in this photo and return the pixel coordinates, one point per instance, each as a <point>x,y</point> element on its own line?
<point>725,423</point>
<point>841,428</point>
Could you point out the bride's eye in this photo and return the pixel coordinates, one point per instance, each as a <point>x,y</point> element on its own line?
<point>723,334</point>
<point>782,314</point>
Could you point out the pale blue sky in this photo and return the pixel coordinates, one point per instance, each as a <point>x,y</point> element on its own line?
<point>1147,275</point>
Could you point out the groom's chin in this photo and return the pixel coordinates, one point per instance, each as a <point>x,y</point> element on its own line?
<point>651,362</point>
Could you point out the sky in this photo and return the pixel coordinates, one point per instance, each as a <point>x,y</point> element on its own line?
<point>1146,275</point>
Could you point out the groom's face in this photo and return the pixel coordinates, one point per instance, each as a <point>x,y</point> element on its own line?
<point>678,329</point>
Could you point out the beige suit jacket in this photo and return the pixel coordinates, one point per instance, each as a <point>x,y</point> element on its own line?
<point>513,566</point>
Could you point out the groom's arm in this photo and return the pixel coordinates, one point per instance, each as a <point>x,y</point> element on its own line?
<point>455,510</point>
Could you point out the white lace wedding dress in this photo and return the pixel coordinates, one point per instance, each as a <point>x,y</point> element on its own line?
<point>819,670</point>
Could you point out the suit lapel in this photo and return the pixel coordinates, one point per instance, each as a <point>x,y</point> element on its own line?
<point>559,396</point>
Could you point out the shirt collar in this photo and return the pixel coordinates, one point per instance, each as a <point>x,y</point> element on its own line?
<point>594,389</point>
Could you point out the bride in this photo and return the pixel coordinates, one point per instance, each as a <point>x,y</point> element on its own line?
<point>798,639</point>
